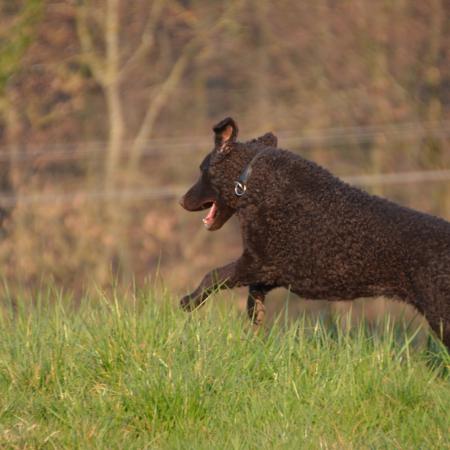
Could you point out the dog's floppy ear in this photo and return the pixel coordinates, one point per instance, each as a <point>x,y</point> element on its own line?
<point>225,133</point>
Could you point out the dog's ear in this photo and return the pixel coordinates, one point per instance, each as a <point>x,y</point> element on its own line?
<point>225,133</point>
<point>268,140</point>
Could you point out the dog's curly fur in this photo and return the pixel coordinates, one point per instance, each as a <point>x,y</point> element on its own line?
<point>306,230</point>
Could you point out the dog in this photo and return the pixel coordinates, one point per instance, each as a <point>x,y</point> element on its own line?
<point>306,230</point>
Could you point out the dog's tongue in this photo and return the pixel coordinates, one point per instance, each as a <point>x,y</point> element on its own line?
<point>211,214</point>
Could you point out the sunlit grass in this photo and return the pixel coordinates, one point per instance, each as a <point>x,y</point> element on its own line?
<point>142,374</point>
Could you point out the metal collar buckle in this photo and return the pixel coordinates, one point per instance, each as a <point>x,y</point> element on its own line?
<point>239,188</point>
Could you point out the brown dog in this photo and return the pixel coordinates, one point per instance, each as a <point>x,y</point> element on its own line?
<point>306,230</point>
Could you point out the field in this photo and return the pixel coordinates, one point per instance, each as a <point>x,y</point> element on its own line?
<point>139,373</point>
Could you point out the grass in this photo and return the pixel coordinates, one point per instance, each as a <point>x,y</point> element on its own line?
<point>142,374</point>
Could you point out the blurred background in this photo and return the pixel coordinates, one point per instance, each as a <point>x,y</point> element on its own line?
<point>106,109</point>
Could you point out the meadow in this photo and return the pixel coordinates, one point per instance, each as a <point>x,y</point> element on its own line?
<point>138,373</point>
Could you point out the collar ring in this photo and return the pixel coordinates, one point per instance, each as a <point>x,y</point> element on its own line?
<point>239,188</point>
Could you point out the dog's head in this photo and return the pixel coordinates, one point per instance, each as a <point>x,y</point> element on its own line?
<point>214,190</point>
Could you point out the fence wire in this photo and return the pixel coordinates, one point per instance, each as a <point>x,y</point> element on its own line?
<point>171,192</point>
<point>413,131</point>
<point>178,147</point>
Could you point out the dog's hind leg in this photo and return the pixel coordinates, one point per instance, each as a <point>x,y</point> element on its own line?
<point>436,306</point>
<point>441,328</point>
<point>255,302</point>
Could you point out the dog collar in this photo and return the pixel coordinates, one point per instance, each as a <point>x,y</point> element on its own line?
<point>240,186</point>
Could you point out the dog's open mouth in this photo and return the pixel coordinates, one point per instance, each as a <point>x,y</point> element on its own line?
<point>218,211</point>
<point>211,216</point>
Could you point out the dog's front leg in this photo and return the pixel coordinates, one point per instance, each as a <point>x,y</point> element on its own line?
<point>221,278</point>
<point>255,302</point>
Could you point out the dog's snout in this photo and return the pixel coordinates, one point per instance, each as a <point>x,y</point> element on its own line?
<point>181,202</point>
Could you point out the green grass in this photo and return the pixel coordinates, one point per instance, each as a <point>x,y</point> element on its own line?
<point>142,374</point>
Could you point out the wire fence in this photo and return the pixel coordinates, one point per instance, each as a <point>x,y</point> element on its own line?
<point>172,192</point>
<point>412,131</point>
<point>178,147</point>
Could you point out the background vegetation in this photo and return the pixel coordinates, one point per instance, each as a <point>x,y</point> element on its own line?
<point>106,108</point>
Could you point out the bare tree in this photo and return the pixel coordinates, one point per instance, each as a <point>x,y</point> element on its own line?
<point>113,64</point>
<point>169,35</point>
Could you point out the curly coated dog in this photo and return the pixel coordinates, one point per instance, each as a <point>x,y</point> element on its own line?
<point>306,230</point>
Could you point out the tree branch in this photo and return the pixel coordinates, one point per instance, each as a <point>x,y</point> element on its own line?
<point>89,54</point>
<point>167,87</point>
<point>157,104</point>
<point>147,38</point>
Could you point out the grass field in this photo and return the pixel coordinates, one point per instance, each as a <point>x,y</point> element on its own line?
<point>142,374</point>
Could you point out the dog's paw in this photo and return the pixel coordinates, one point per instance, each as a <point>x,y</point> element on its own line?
<point>186,303</point>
